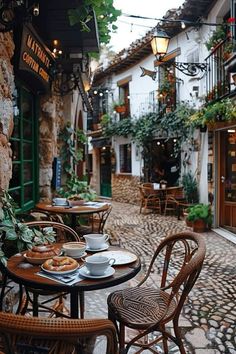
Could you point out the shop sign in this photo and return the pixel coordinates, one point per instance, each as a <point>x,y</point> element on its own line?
<point>35,60</point>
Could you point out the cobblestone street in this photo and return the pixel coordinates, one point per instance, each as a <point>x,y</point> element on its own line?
<point>209,317</point>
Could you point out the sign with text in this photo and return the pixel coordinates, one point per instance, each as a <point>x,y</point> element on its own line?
<point>35,60</point>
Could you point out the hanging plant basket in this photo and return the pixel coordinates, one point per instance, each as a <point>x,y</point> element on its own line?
<point>120,109</point>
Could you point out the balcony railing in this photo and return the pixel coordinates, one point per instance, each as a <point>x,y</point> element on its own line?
<point>217,79</point>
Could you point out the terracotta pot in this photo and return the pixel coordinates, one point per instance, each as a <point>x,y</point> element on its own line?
<point>189,223</point>
<point>120,109</point>
<point>199,226</point>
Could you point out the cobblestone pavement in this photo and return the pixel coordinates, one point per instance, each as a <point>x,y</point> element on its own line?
<point>209,316</point>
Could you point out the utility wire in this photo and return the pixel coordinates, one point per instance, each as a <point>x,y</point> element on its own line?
<point>178,21</point>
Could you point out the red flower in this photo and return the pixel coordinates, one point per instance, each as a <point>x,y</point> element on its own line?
<point>231,20</point>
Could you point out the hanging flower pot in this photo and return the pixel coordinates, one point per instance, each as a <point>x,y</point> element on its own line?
<point>120,109</point>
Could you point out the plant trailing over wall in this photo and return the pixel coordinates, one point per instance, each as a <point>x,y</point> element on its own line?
<point>16,236</point>
<point>106,15</point>
<point>217,36</point>
<point>224,110</point>
<point>145,127</point>
<point>123,127</point>
<point>175,124</point>
<point>71,154</point>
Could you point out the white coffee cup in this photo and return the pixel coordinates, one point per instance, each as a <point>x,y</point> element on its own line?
<point>74,249</point>
<point>60,201</point>
<point>96,241</point>
<point>97,265</point>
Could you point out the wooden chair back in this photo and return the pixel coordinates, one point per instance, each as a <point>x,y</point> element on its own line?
<point>21,335</point>
<point>182,257</point>
<point>62,231</point>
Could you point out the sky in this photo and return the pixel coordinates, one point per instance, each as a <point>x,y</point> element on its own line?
<point>130,29</point>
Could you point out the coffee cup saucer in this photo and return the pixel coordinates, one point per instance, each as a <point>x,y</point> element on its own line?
<point>85,273</point>
<point>103,247</point>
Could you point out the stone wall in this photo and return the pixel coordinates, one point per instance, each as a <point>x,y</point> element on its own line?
<point>6,107</point>
<point>125,189</point>
<point>51,118</point>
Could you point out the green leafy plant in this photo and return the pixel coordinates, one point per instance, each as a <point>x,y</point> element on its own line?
<point>106,15</point>
<point>118,104</point>
<point>200,212</point>
<point>16,236</point>
<point>190,187</point>
<point>217,36</point>
<point>224,110</point>
<point>123,127</point>
<point>71,153</point>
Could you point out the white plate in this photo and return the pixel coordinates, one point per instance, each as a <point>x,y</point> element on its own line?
<point>85,273</point>
<point>59,272</point>
<point>121,257</point>
<point>103,248</point>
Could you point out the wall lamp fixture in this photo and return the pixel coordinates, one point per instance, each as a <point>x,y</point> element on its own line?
<point>160,43</point>
<point>14,12</point>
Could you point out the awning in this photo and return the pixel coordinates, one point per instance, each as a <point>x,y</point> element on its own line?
<point>53,24</point>
<point>100,142</point>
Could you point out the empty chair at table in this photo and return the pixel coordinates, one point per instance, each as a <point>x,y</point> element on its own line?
<point>173,196</point>
<point>96,223</point>
<point>149,199</point>
<point>159,297</point>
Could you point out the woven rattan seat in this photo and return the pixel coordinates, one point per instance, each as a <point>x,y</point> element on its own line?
<point>175,267</point>
<point>141,307</point>
<point>21,335</point>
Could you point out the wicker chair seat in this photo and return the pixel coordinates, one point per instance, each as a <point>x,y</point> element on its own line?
<point>141,307</point>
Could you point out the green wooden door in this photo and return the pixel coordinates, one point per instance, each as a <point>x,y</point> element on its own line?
<point>105,172</point>
<point>24,183</point>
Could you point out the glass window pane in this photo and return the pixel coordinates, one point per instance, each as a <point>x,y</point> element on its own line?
<point>28,171</point>
<point>125,158</point>
<point>15,181</point>
<point>28,193</point>
<point>27,130</point>
<point>28,151</point>
<point>26,106</point>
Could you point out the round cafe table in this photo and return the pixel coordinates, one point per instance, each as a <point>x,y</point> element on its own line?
<point>74,210</point>
<point>25,274</point>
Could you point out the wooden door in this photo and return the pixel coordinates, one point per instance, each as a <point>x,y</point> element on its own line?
<point>227,180</point>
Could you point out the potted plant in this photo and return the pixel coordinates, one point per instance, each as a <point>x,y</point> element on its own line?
<point>119,107</point>
<point>190,188</point>
<point>201,217</point>
<point>16,236</point>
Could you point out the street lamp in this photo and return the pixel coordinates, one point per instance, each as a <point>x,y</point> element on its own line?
<point>160,43</point>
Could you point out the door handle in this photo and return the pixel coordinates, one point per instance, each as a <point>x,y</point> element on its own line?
<point>222,179</point>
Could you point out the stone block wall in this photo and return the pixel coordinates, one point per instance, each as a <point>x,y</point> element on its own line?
<point>6,107</point>
<point>125,188</point>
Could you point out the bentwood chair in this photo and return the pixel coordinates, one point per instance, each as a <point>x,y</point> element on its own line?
<point>63,233</point>
<point>96,223</point>
<point>172,199</point>
<point>32,335</point>
<point>176,265</point>
<point>148,199</point>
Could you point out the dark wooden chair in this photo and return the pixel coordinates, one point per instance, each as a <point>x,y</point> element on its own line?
<point>21,335</point>
<point>172,199</point>
<point>96,223</point>
<point>149,200</point>
<point>179,260</point>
